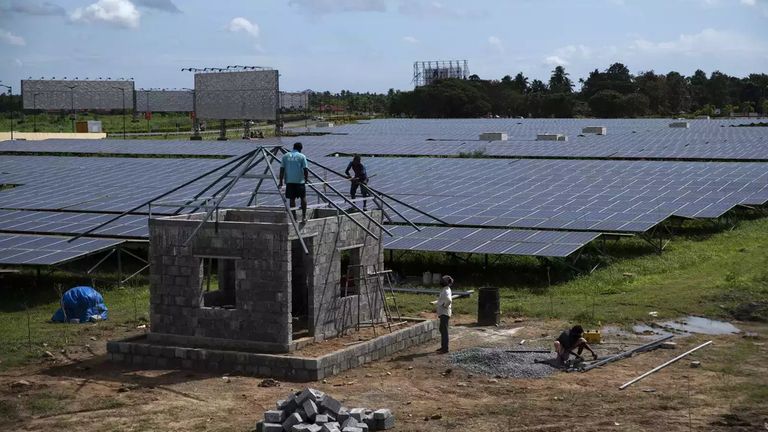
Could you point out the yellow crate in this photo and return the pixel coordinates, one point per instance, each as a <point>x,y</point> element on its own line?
<point>593,336</point>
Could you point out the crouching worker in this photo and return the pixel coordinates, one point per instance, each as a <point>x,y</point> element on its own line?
<point>570,340</point>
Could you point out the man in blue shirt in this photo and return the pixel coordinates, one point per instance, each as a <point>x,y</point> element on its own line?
<point>294,169</point>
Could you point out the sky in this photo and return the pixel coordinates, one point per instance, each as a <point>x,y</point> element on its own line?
<point>371,45</point>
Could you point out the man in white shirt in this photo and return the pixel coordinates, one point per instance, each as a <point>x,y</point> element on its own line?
<point>444,303</point>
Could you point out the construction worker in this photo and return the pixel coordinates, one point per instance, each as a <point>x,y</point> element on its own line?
<point>444,306</point>
<point>294,168</point>
<point>359,180</point>
<point>570,340</point>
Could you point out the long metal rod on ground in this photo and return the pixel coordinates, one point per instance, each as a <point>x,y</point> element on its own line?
<point>377,195</point>
<point>662,366</point>
<point>146,203</point>
<point>625,354</point>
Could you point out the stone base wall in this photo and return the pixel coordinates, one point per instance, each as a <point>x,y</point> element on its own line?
<point>138,351</point>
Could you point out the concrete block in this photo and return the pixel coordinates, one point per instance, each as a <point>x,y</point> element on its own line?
<point>301,427</point>
<point>551,137</point>
<point>314,428</point>
<point>683,125</point>
<point>310,409</point>
<point>274,416</point>
<point>350,422</point>
<point>352,429</point>
<point>330,427</point>
<point>321,419</point>
<point>387,423</point>
<point>493,136</point>
<point>272,427</point>
<point>357,414</point>
<point>312,394</point>
<point>382,414</point>
<point>292,419</point>
<point>599,130</point>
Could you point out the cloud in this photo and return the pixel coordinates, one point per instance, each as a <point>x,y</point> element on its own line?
<point>163,5</point>
<point>707,42</point>
<point>322,7</point>
<point>410,39</point>
<point>435,9</point>
<point>11,39</point>
<point>749,2</point>
<point>556,61</point>
<point>32,7</point>
<point>241,24</point>
<point>576,53</point>
<point>496,43</point>
<point>122,13</point>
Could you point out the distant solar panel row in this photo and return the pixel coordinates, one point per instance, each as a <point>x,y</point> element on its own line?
<point>66,223</point>
<point>489,241</point>
<point>47,250</point>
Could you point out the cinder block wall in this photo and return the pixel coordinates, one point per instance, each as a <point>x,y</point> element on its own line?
<point>259,242</point>
<point>329,312</point>
<point>262,281</point>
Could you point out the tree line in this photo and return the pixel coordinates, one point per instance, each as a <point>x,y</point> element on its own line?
<point>613,92</point>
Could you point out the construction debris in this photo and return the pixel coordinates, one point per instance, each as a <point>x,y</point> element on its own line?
<point>312,410</point>
<point>501,363</point>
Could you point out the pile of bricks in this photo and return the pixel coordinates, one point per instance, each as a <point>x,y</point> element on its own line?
<point>311,410</point>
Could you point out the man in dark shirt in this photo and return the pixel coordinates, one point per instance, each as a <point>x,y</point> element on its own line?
<point>570,340</point>
<point>360,180</point>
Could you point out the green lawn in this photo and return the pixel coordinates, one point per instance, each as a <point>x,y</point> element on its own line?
<point>715,275</point>
<point>718,276</point>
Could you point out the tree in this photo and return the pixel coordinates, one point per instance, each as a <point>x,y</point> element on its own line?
<point>654,87</point>
<point>634,105</point>
<point>717,89</point>
<point>521,83</point>
<point>677,96</point>
<point>538,87</point>
<point>606,103</point>
<point>506,79</point>
<point>474,77</point>
<point>559,81</point>
<point>698,89</point>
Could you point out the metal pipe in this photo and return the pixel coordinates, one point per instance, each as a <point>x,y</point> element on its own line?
<point>625,354</point>
<point>231,184</point>
<point>662,366</point>
<point>146,203</point>
<point>376,195</point>
<point>348,201</point>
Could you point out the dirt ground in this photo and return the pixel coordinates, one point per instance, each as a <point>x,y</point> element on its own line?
<point>84,392</point>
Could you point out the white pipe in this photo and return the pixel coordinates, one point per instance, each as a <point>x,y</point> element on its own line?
<point>657,368</point>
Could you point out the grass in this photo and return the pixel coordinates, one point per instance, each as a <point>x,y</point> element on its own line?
<point>712,277</point>
<point>702,273</point>
<point>15,335</point>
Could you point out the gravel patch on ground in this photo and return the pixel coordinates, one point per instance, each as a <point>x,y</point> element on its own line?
<point>496,362</point>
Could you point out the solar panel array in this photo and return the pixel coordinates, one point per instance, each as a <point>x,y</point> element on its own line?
<point>519,206</point>
<point>489,241</point>
<point>47,250</point>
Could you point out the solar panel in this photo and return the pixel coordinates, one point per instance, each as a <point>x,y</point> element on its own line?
<point>47,250</point>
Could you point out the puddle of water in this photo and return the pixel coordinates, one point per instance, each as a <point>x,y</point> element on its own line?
<point>689,324</point>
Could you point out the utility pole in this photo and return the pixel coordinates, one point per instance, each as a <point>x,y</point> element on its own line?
<point>10,99</point>
<point>72,101</point>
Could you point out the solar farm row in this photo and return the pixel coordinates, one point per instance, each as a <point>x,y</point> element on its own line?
<point>47,250</point>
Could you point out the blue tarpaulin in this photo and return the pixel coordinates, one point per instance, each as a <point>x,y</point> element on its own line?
<point>82,303</point>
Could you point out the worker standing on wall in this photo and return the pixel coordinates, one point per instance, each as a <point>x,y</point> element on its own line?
<point>444,310</point>
<point>360,180</point>
<point>294,169</point>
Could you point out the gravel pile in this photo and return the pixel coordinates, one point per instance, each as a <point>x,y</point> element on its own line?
<point>500,363</point>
